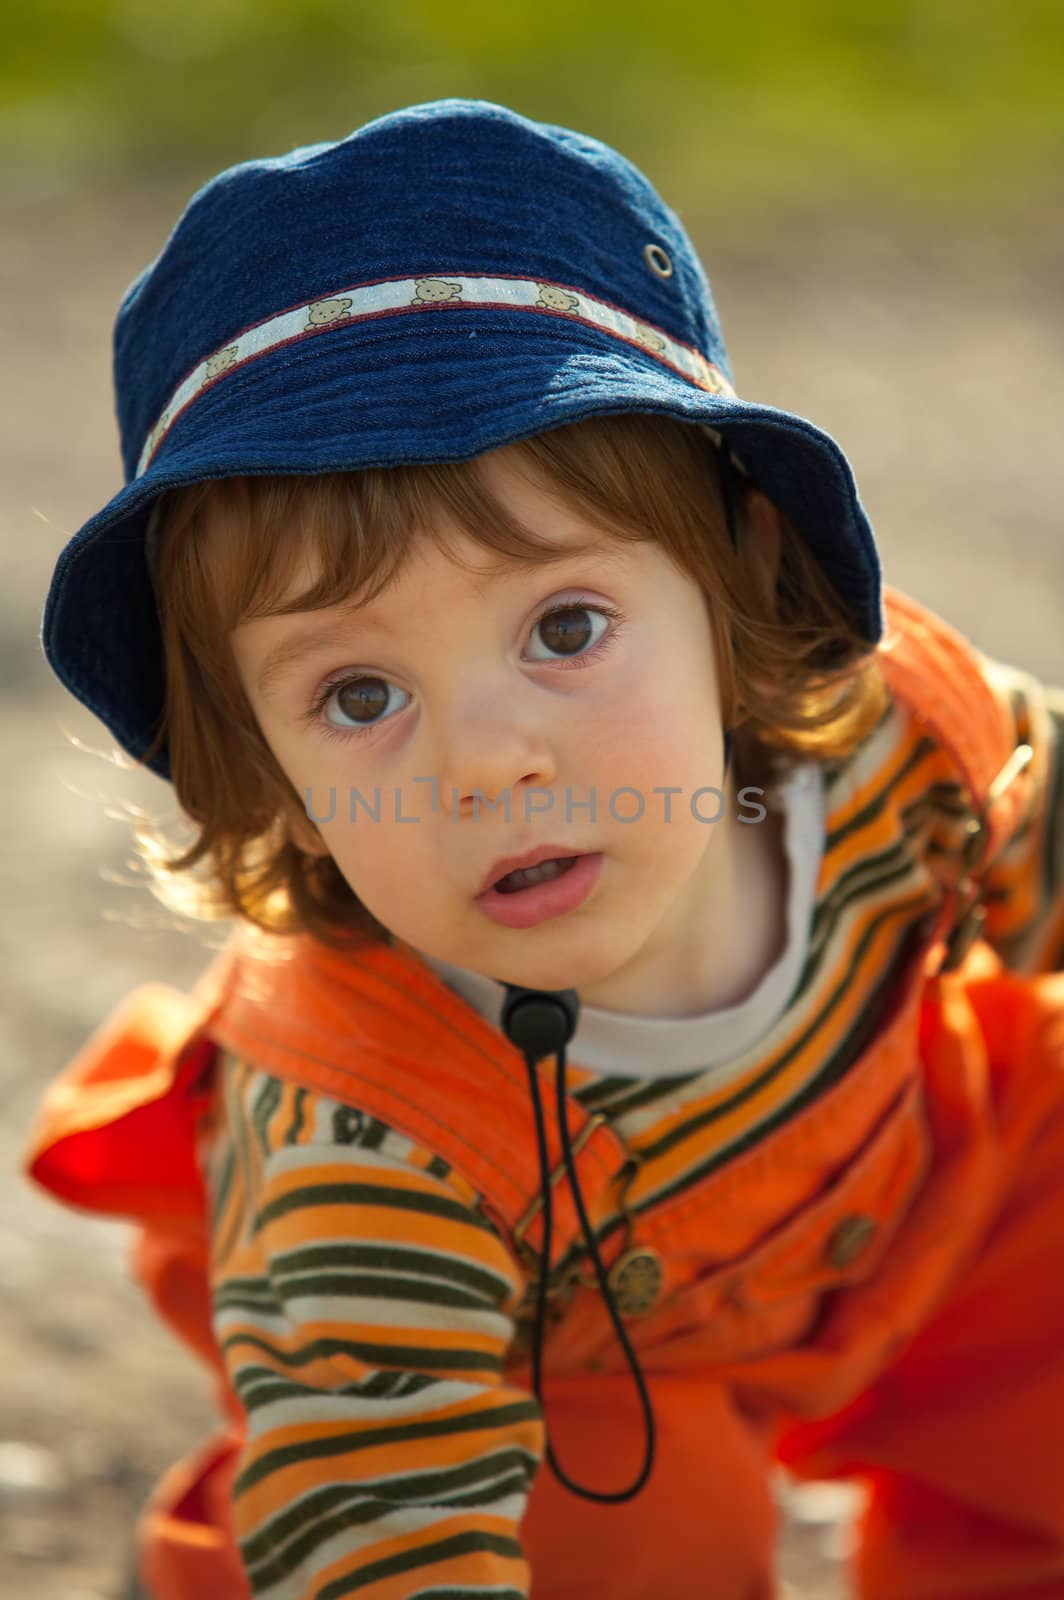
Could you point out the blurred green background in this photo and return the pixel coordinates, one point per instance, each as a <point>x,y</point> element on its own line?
<point>926,105</point>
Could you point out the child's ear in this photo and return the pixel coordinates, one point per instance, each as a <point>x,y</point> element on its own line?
<point>759,542</point>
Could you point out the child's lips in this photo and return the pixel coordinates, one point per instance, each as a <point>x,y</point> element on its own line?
<point>524,908</point>
<point>531,858</point>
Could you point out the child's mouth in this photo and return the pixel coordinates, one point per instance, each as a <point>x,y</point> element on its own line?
<point>528,877</point>
<point>537,894</point>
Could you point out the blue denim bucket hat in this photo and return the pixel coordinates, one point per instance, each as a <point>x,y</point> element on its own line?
<point>449,278</point>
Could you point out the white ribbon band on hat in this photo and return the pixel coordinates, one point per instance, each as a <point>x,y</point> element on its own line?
<point>436,292</point>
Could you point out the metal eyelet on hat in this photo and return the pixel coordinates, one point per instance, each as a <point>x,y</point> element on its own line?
<point>658,262</point>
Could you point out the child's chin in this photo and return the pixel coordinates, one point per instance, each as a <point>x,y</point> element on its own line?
<point>557,969</point>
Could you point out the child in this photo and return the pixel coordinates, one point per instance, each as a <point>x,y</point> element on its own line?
<point>527,688</point>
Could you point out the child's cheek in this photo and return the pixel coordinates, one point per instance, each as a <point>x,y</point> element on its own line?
<point>360,854</point>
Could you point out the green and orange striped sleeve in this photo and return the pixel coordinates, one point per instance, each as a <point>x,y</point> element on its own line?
<point>363,1306</point>
<point>1025,902</point>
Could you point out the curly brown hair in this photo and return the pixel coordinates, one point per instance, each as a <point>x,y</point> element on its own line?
<point>797,681</point>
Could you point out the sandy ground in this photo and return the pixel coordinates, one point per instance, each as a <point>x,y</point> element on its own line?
<point>938,364</point>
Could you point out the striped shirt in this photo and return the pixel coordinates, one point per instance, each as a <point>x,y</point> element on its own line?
<point>365,1307</point>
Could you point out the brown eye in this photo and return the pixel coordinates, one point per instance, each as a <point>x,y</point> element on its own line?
<point>567,630</point>
<point>362,699</point>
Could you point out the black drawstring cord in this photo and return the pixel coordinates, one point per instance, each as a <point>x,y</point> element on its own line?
<point>541,1022</point>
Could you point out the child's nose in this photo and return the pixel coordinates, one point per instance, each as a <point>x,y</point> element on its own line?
<point>492,756</point>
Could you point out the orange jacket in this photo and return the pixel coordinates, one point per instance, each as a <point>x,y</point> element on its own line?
<point>118,1133</point>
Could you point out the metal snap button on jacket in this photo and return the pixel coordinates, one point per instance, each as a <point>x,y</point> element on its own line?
<point>848,1239</point>
<point>636,1279</point>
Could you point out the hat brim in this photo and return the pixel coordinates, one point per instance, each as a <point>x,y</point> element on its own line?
<point>407,389</point>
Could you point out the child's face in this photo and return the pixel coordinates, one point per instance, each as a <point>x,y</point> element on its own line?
<point>467,686</point>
